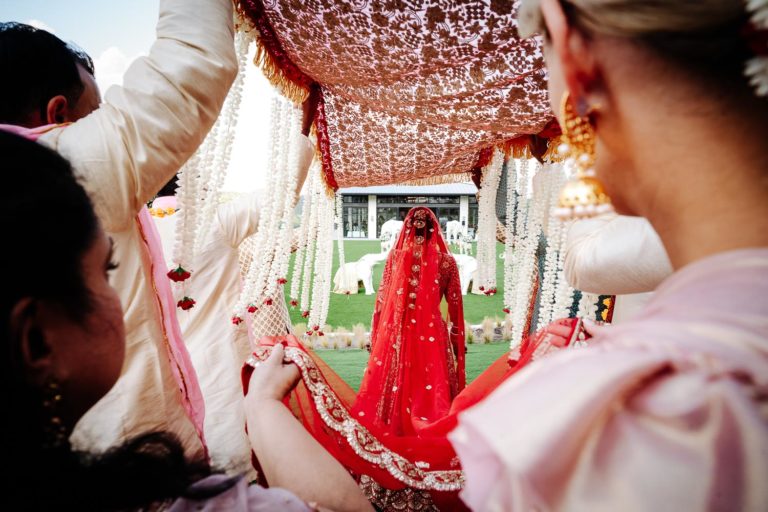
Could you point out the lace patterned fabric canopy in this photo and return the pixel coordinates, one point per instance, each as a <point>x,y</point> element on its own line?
<point>411,89</point>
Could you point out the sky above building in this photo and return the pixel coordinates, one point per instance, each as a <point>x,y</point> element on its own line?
<point>116,33</point>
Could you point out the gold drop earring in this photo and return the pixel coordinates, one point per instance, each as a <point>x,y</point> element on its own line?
<point>584,195</point>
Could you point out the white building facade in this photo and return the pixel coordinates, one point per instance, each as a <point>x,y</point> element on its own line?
<point>366,209</point>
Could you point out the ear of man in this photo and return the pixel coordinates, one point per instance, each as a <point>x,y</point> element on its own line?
<point>58,110</point>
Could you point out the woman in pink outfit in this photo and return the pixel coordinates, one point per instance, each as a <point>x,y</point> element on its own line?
<point>668,411</point>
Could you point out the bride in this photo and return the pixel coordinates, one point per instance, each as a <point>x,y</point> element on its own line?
<point>416,366</point>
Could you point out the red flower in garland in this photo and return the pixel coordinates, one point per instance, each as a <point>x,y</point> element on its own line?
<point>482,288</point>
<point>281,280</point>
<point>237,320</point>
<point>321,333</point>
<point>305,314</point>
<point>309,333</point>
<point>294,303</point>
<point>506,310</point>
<point>268,301</point>
<point>178,274</point>
<point>186,303</point>
<point>316,328</point>
<point>252,308</point>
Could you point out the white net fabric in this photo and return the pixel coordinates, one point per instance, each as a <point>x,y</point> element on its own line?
<point>269,320</point>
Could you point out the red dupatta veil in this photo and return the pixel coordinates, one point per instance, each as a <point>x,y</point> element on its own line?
<point>416,366</point>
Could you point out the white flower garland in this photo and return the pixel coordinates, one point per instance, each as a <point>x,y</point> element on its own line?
<point>298,262</point>
<point>311,278</point>
<point>312,219</point>
<point>486,229</point>
<point>509,244</point>
<point>321,289</point>
<point>272,241</point>
<point>201,178</point>
<point>553,272</point>
<point>257,274</point>
<point>528,226</point>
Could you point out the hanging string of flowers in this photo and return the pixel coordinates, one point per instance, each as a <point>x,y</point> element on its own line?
<point>201,178</point>
<point>312,220</point>
<point>564,292</point>
<point>321,289</point>
<point>486,229</point>
<point>298,262</point>
<point>551,181</point>
<point>510,167</point>
<point>289,167</point>
<point>528,227</point>
<point>256,277</point>
<point>272,241</point>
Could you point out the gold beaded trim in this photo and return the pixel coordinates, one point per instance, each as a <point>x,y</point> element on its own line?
<point>364,444</point>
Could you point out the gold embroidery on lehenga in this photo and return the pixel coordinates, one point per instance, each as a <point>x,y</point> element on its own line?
<point>365,445</point>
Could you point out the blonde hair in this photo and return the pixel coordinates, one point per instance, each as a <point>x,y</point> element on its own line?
<point>637,18</point>
<point>701,37</point>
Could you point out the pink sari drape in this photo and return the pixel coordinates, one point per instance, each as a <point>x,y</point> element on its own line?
<point>178,356</point>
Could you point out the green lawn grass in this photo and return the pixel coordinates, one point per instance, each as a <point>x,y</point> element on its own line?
<point>348,310</point>
<point>350,364</point>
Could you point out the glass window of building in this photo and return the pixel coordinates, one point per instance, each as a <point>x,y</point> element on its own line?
<point>355,199</point>
<point>356,221</point>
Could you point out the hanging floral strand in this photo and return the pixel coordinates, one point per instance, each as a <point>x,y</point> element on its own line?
<point>551,182</point>
<point>528,227</point>
<point>321,289</point>
<point>509,244</point>
<point>267,273</point>
<point>312,220</point>
<point>289,165</point>
<point>201,178</point>
<point>301,249</point>
<point>256,276</point>
<point>486,243</point>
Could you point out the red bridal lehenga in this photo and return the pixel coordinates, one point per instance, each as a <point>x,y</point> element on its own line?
<point>392,435</point>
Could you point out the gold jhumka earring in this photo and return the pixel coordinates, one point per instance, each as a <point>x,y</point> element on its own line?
<point>583,195</point>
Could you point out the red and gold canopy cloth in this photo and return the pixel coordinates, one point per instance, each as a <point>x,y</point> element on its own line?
<point>410,89</point>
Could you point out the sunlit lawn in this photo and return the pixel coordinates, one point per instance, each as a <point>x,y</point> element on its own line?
<point>348,310</point>
<point>349,364</point>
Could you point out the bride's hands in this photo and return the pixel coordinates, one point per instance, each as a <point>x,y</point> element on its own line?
<point>272,379</point>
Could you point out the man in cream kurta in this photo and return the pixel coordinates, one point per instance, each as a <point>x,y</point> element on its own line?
<point>124,152</point>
